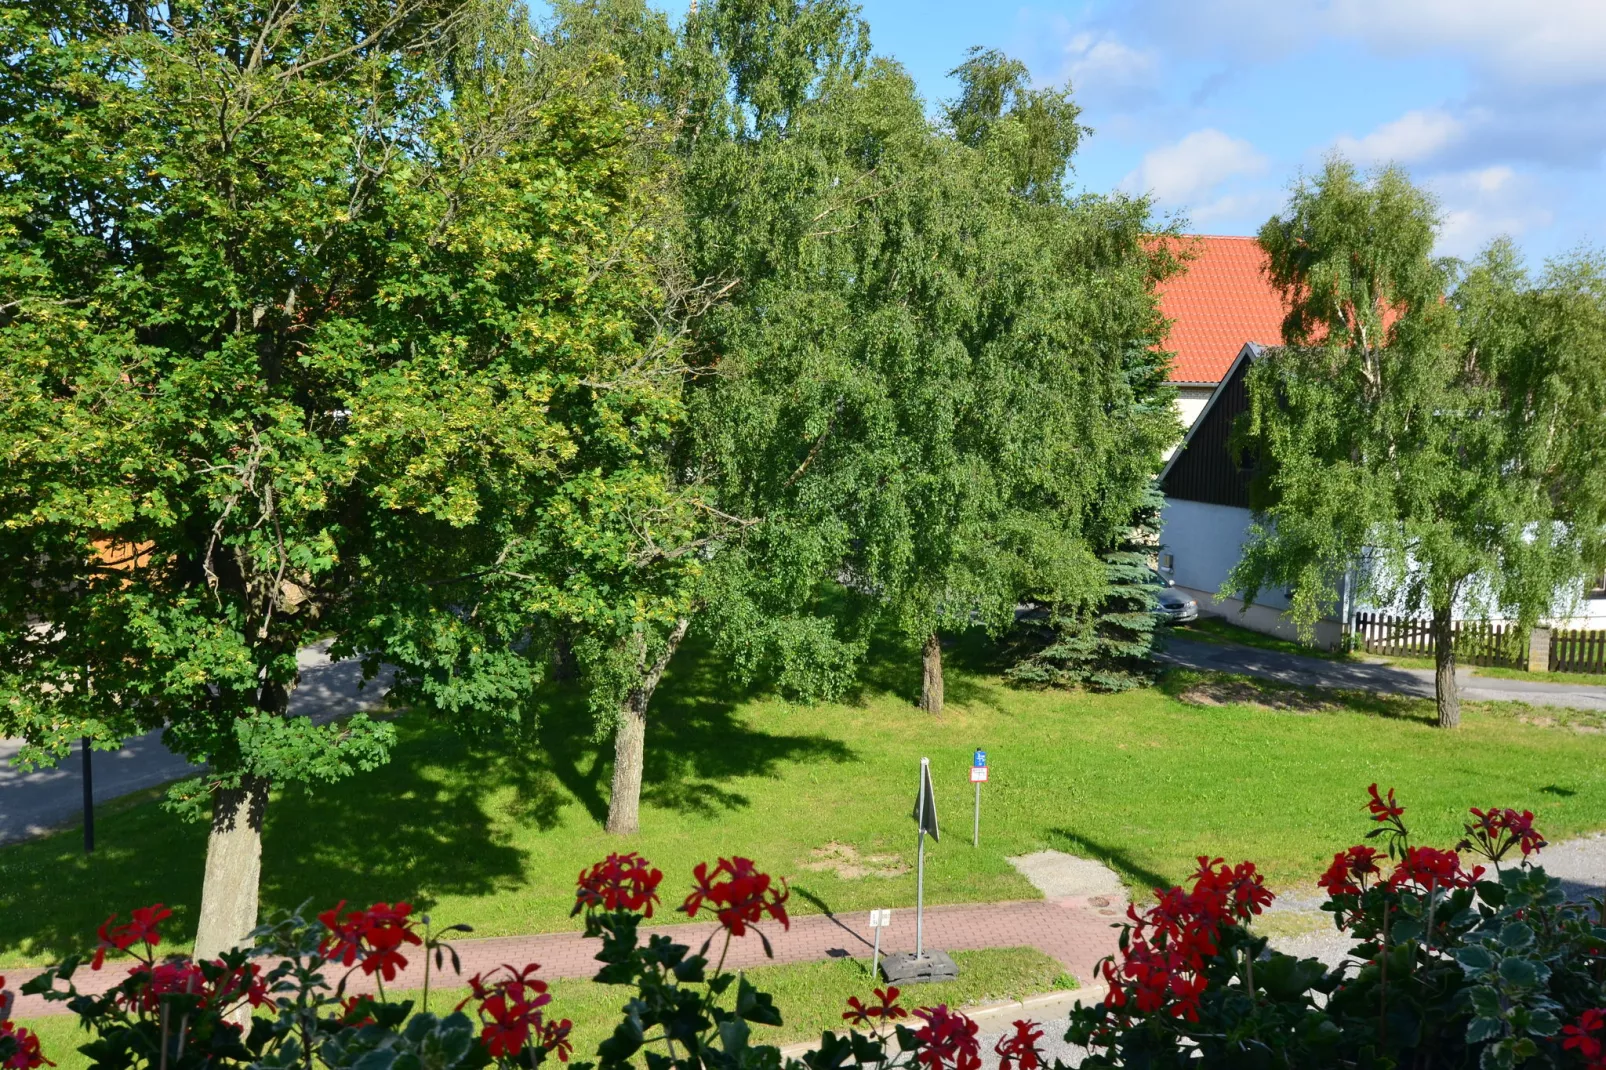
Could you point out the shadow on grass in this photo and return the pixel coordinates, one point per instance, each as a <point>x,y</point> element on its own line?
<point>1084,846</point>
<point>893,666</point>
<point>439,819</point>
<point>1177,683</point>
<point>694,741</point>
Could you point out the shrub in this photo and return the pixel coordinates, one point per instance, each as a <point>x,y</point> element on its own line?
<point>1488,966</point>
<point>284,1003</point>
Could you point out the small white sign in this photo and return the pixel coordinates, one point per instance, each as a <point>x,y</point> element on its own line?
<point>880,919</point>
<point>978,774</point>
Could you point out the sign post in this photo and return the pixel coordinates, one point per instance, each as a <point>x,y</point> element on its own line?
<point>879,919</point>
<point>978,777</point>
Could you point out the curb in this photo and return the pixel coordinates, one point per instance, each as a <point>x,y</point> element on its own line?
<point>996,1017</point>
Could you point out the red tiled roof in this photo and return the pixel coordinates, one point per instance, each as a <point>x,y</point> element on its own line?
<point>1221,301</point>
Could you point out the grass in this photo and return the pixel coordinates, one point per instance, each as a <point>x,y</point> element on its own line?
<point>810,996</point>
<point>1593,678</point>
<point>1219,630</point>
<point>491,832</point>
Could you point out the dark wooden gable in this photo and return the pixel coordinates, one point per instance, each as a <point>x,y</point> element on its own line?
<point>1204,470</point>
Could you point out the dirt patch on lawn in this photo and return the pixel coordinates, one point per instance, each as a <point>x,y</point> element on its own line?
<point>846,862</point>
<point>1245,693</point>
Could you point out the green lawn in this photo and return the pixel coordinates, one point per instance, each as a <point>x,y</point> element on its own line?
<point>1221,630</point>
<point>1594,678</point>
<point>492,833</point>
<point>811,997</point>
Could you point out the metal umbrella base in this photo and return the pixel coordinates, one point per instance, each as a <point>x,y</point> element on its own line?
<point>906,968</point>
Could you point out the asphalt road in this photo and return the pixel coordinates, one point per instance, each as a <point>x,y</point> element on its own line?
<point>1370,676</point>
<point>32,803</point>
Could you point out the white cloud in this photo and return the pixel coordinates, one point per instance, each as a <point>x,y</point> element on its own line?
<point>1482,204</point>
<point>1236,213</point>
<point>1542,42</point>
<point>1182,172</point>
<point>1416,135</point>
<point>1100,62</point>
<point>1490,179</point>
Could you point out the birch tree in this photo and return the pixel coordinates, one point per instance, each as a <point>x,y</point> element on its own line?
<point>1441,425</point>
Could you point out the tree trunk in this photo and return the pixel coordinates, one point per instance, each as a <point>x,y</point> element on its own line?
<point>931,675</point>
<point>1444,685</point>
<point>233,867</point>
<point>630,742</point>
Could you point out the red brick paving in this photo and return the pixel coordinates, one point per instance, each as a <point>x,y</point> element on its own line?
<point>1075,931</point>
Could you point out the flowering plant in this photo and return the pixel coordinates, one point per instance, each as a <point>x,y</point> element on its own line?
<point>1454,964</point>
<point>19,1047</point>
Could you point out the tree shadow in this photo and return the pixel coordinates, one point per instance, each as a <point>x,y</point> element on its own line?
<point>409,830</point>
<point>1177,683</point>
<point>414,829</point>
<point>695,739</point>
<point>1084,846</point>
<point>892,666</point>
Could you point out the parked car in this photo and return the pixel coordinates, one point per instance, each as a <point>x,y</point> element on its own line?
<point>1171,605</point>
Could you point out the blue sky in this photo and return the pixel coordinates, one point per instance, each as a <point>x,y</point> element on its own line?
<point>1498,106</point>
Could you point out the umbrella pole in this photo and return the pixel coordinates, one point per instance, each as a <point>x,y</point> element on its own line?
<point>920,900</point>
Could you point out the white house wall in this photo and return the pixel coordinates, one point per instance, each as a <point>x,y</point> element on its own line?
<point>1578,611</point>
<point>1201,543</point>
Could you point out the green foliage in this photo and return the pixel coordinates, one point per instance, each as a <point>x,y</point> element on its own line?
<point>1108,646</point>
<point>907,350</point>
<point>299,301</point>
<point>1033,130</point>
<point>920,370</point>
<point>1464,967</point>
<point>1443,426</point>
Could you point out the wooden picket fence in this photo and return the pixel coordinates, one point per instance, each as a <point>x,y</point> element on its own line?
<point>1477,642</point>
<point>1577,650</point>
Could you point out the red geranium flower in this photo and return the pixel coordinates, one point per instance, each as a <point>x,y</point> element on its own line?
<point>1429,868</point>
<point>947,1040</point>
<point>1347,875</point>
<point>148,983</point>
<point>141,929</point>
<point>618,882</point>
<point>1019,1051</point>
<point>1382,810</point>
<point>1495,831</point>
<point>510,1013</point>
<point>742,899</point>
<point>555,1039</point>
<point>1163,964</point>
<point>373,937</point>
<point>20,1047</point>
<point>356,1011</point>
<point>1581,1037</point>
<point>886,1008</point>
<point>152,982</point>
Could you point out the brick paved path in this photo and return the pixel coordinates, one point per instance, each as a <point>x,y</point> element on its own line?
<point>1076,931</point>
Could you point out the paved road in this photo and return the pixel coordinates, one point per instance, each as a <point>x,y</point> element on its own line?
<point>32,803</point>
<point>1371,676</point>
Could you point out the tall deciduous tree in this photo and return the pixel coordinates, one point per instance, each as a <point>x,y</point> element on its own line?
<point>288,289</point>
<point>905,393</point>
<point>1436,433</point>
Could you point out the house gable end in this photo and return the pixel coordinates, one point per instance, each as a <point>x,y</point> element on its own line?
<point>1202,469</point>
